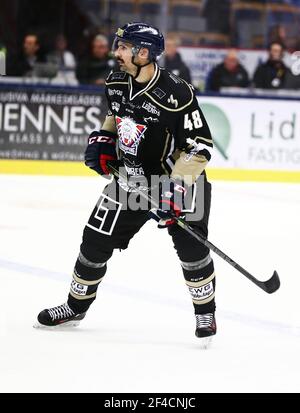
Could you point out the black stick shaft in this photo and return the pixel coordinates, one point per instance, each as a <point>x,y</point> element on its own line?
<point>268,286</point>
<point>216,250</point>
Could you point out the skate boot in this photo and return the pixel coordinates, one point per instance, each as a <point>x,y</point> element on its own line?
<point>206,327</point>
<point>58,316</point>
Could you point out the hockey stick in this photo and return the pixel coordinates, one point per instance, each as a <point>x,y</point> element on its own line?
<point>269,286</point>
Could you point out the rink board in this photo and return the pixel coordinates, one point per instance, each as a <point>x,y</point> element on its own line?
<point>43,131</point>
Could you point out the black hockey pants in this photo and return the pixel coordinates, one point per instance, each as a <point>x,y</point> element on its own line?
<point>111,226</point>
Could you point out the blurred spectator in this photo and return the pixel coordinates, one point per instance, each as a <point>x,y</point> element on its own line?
<point>62,57</point>
<point>272,73</point>
<point>25,62</point>
<point>64,61</point>
<point>173,61</point>
<point>95,68</point>
<point>230,73</point>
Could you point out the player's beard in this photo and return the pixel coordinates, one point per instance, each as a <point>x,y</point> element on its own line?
<point>124,68</point>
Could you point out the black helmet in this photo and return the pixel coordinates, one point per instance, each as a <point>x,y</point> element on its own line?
<point>142,35</point>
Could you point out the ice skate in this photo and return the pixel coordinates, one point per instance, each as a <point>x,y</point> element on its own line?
<point>206,328</point>
<point>59,316</point>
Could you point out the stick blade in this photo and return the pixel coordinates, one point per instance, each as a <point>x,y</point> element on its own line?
<point>271,285</point>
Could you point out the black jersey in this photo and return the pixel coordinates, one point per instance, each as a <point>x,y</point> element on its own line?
<point>155,121</point>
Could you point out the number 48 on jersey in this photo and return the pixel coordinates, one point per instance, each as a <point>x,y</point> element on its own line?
<point>195,122</point>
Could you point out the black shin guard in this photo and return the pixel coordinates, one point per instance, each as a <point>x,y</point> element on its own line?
<point>200,279</point>
<point>87,276</point>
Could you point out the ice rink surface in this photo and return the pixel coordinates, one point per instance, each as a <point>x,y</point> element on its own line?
<point>139,334</point>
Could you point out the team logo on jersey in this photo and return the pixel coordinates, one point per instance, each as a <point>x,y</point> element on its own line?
<point>130,134</point>
<point>113,92</point>
<point>194,148</point>
<point>173,101</point>
<point>133,168</point>
<point>150,119</point>
<point>118,75</point>
<point>115,106</point>
<point>134,171</point>
<point>151,108</point>
<point>159,93</point>
<point>174,77</point>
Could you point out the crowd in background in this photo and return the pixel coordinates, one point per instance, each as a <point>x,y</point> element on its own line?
<point>61,63</point>
<point>273,74</point>
<point>93,67</point>
<point>80,53</point>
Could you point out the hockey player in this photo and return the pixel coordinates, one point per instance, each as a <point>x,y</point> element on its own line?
<point>155,123</point>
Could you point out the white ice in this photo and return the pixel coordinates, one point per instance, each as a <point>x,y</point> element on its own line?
<point>139,334</point>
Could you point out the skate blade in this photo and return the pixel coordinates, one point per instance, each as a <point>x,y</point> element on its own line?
<point>205,342</point>
<point>67,325</point>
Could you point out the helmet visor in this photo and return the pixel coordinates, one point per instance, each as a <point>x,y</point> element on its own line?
<point>134,48</point>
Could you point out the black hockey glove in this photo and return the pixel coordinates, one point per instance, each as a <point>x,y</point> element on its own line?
<point>171,199</point>
<point>101,149</point>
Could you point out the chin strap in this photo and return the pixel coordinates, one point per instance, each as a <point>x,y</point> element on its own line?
<point>139,67</point>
